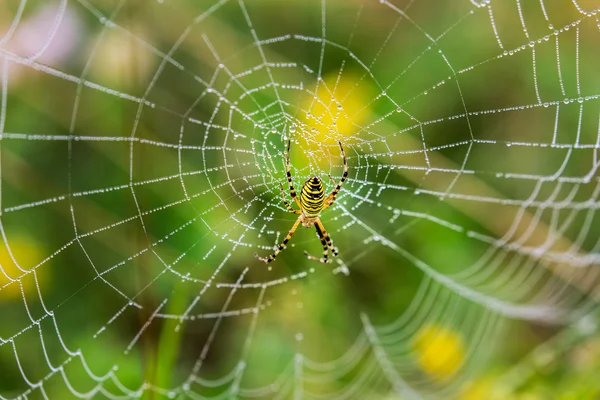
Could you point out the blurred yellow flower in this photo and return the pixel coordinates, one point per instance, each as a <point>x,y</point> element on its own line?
<point>27,255</point>
<point>339,104</point>
<point>336,111</point>
<point>439,351</point>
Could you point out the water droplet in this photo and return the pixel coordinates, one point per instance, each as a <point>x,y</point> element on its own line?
<point>546,104</point>
<point>531,44</point>
<point>425,92</point>
<point>566,101</point>
<point>273,130</point>
<point>505,52</point>
<point>398,110</point>
<point>550,26</point>
<point>580,99</point>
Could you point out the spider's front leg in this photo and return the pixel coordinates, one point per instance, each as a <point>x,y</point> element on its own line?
<point>329,200</point>
<point>288,171</point>
<point>287,205</point>
<point>332,196</point>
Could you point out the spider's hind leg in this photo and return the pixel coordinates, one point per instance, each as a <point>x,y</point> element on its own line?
<point>325,242</point>
<point>334,250</point>
<point>281,246</point>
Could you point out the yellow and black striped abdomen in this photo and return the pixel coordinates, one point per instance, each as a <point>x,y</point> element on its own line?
<point>312,197</point>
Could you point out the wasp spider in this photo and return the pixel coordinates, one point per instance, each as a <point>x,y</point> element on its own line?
<point>312,202</point>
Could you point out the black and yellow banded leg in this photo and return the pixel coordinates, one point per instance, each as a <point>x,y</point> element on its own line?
<point>290,209</point>
<point>281,246</point>
<point>331,198</point>
<point>327,237</point>
<point>325,248</point>
<point>288,169</point>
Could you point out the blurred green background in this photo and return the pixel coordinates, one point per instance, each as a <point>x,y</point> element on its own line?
<point>141,151</point>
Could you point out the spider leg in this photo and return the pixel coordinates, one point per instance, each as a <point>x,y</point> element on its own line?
<point>290,209</point>
<point>325,241</point>
<point>282,245</point>
<point>327,237</point>
<point>288,172</point>
<point>331,198</point>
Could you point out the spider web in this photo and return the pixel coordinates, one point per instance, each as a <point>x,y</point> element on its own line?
<point>141,156</point>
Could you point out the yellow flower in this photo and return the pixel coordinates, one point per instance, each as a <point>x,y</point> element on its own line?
<point>439,351</point>
<point>340,103</point>
<point>336,111</point>
<point>26,254</point>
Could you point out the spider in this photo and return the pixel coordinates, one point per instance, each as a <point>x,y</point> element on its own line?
<point>312,202</point>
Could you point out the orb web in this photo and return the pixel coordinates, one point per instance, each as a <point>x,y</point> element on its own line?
<point>142,152</point>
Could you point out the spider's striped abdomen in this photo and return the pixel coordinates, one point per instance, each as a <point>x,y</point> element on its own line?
<point>312,197</point>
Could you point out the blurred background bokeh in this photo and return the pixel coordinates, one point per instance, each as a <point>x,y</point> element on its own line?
<point>141,152</point>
